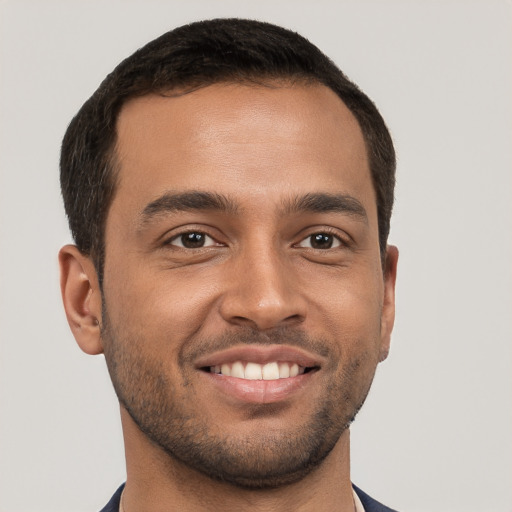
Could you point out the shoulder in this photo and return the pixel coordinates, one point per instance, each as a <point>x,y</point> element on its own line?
<point>113,504</point>
<point>369,504</point>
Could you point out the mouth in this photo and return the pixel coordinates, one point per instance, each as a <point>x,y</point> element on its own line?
<point>249,370</point>
<point>260,373</point>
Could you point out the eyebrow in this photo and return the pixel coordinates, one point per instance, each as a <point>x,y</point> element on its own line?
<point>209,201</point>
<point>327,203</point>
<point>187,201</point>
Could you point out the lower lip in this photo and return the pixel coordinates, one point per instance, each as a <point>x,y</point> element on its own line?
<point>259,391</point>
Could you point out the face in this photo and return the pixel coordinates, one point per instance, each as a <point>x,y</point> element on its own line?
<point>245,306</point>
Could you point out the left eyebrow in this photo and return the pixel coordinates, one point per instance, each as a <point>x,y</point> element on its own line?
<point>327,203</point>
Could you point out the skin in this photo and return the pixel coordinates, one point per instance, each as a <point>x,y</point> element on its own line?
<point>259,281</point>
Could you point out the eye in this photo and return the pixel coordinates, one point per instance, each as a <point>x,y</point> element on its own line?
<point>193,240</point>
<point>320,241</point>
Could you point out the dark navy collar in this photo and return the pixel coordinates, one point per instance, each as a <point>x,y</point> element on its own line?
<point>369,504</point>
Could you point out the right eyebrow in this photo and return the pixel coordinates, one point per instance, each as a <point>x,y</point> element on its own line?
<point>186,201</point>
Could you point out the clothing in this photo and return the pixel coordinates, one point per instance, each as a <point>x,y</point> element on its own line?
<point>358,506</point>
<point>369,504</point>
<point>113,504</point>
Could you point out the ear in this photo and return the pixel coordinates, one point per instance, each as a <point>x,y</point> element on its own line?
<point>81,295</point>
<point>388,304</point>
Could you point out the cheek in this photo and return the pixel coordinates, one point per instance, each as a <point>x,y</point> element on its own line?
<point>349,306</point>
<point>166,305</point>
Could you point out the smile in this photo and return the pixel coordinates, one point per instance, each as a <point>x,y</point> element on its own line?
<point>254,371</point>
<point>259,374</point>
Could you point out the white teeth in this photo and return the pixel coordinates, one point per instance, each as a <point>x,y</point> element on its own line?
<point>270,371</point>
<point>255,371</point>
<point>237,370</point>
<point>284,370</point>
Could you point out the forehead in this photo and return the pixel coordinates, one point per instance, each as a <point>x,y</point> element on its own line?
<point>251,141</point>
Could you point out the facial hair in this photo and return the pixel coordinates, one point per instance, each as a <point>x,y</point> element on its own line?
<point>164,408</point>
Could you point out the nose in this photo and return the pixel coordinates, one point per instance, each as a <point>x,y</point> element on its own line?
<point>263,292</point>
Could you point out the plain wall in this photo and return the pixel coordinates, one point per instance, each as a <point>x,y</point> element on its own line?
<point>435,433</point>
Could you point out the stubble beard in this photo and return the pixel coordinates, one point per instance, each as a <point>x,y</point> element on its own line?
<point>261,460</point>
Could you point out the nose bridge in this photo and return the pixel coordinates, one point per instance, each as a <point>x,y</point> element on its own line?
<point>263,290</point>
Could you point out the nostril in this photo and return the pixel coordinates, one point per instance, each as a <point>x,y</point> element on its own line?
<point>294,319</point>
<point>266,321</point>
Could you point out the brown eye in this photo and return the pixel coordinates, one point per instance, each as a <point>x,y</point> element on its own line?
<point>320,241</point>
<point>193,240</point>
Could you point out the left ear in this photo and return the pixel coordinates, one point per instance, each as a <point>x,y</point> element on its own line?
<point>388,304</point>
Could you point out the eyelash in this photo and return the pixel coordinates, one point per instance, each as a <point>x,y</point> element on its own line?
<point>337,239</point>
<point>172,240</point>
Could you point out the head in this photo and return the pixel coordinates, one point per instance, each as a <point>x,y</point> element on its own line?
<point>185,59</point>
<point>229,191</point>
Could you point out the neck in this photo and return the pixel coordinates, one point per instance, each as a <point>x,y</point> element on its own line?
<point>156,482</point>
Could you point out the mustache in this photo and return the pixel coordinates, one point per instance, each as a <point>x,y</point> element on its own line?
<point>294,337</point>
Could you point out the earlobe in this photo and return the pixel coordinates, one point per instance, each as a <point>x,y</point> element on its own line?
<point>81,296</point>
<point>388,305</point>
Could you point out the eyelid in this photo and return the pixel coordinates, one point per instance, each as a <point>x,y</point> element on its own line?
<point>175,238</point>
<point>170,238</point>
<point>336,243</point>
<point>343,241</point>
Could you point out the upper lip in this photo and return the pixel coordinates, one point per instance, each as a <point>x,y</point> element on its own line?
<point>261,354</point>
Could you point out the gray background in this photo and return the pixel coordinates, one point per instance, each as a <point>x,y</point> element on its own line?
<point>435,433</point>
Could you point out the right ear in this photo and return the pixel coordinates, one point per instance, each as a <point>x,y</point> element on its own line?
<point>81,295</point>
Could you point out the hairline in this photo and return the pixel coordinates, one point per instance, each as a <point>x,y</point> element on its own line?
<point>271,81</point>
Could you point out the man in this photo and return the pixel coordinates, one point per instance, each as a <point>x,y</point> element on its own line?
<point>229,192</point>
